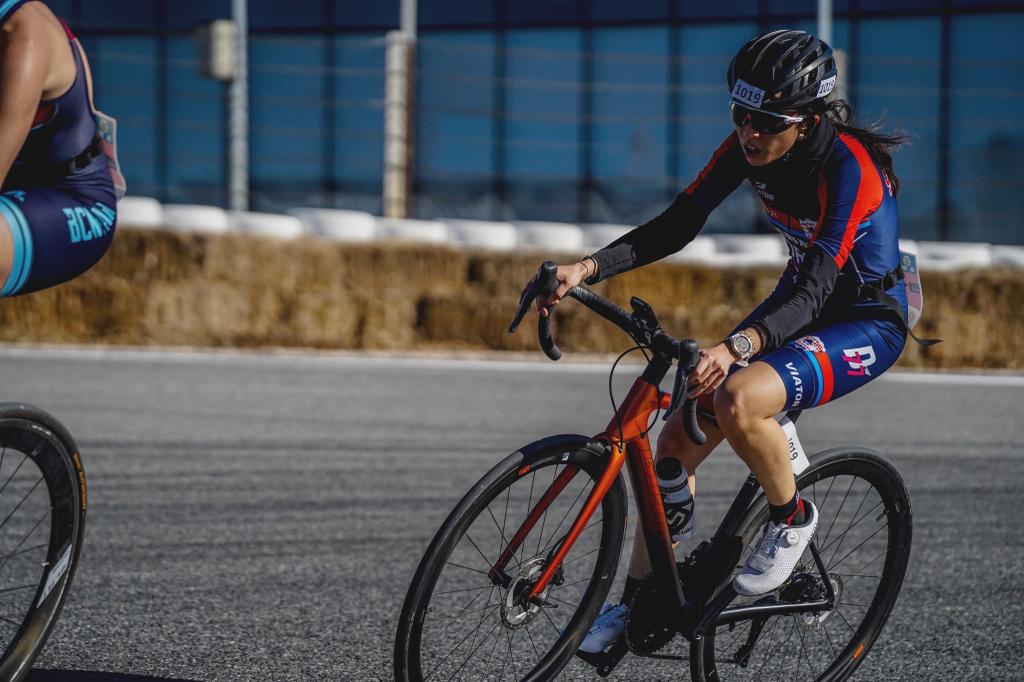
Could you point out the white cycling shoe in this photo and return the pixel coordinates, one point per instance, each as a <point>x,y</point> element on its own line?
<point>607,629</point>
<point>776,554</point>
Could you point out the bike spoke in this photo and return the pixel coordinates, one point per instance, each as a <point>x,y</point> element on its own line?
<point>502,543</point>
<point>564,517</point>
<point>465,589</point>
<point>487,562</point>
<point>544,518</point>
<point>30,586</point>
<point>851,527</point>
<point>567,603</point>
<point>475,570</point>
<point>865,541</point>
<point>24,458</point>
<point>3,562</point>
<point>841,505</point>
<point>449,654</point>
<point>548,546</point>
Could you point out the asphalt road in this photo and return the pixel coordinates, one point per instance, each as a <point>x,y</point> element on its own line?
<point>259,517</point>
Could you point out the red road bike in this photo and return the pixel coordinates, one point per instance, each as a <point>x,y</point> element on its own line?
<point>514,578</point>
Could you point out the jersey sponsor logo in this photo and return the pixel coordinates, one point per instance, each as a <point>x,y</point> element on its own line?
<point>748,94</point>
<point>811,344</point>
<point>762,189</point>
<point>826,86</point>
<point>798,384</point>
<point>859,359</point>
<point>86,224</point>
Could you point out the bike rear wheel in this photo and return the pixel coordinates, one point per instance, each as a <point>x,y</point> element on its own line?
<point>457,623</point>
<point>863,538</point>
<point>42,521</point>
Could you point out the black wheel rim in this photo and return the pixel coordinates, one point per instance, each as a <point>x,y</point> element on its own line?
<point>38,530</point>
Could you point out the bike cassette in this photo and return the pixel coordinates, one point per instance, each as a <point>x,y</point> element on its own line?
<point>649,623</point>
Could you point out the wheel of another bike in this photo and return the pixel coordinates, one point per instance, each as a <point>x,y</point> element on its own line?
<point>863,538</point>
<point>42,520</point>
<point>458,623</point>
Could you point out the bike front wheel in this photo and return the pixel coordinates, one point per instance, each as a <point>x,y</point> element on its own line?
<point>459,623</point>
<point>863,539</point>
<point>42,521</point>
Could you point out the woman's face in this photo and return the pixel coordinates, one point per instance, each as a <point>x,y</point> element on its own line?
<point>762,148</point>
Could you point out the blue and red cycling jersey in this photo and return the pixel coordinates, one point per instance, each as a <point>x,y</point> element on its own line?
<point>828,198</point>
<point>836,208</point>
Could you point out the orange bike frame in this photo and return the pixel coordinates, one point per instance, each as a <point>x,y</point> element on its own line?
<point>627,437</point>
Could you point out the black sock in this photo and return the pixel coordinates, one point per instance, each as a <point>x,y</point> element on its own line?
<point>791,513</point>
<point>630,589</point>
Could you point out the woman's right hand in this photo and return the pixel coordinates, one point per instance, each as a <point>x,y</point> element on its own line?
<point>567,276</point>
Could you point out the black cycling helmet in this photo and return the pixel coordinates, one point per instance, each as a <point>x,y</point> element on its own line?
<point>782,71</point>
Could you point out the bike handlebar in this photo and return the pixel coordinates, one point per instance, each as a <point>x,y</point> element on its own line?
<point>643,331</point>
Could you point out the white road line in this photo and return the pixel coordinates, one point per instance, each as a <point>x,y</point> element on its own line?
<point>370,360</point>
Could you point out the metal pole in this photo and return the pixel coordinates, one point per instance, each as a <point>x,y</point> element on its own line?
<point>409,18</point>
<point>238,162</point>
<point>825,21</point>
<point>399,105</point>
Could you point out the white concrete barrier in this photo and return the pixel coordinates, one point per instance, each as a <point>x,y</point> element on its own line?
<point>748,250</point>
<point>196,218</point>
<point>1008,256</point>
<point>406,229</point>
<point>482,234</point>
<point>338,224</point>
<point>701,251</point>
<point>551,237</point>
<point>953,255</point>
<point>140,213</point>
<point>599,235</point>
<point>267,224</point>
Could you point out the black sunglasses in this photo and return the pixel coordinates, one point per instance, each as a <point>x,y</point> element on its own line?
<point>765,122</point>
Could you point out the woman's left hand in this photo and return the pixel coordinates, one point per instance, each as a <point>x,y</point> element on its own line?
<point>711,370</point>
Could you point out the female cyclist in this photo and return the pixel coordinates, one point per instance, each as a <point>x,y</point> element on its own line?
<point>836,319</point>
<point>58,203</point>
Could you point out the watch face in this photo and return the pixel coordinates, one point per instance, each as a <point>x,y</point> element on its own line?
<point>741,344</point>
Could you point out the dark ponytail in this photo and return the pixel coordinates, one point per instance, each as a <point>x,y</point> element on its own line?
<point>880,145</point>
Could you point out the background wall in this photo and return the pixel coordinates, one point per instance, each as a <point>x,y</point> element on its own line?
<point>578,110</point>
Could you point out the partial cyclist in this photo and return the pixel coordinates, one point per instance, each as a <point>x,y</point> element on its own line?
<point>60,183</point>
<point>836,320</point>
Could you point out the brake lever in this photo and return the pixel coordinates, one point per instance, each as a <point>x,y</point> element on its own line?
<point>543,283</point>
<point>689,356</point>
<point>526,297</point>
<point>547,284</point>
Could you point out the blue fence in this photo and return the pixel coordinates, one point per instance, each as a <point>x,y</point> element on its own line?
<point>594,111</point>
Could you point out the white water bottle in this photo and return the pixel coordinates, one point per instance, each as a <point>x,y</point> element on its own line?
<point>676,498</point>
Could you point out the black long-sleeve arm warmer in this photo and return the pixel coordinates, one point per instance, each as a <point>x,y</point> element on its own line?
<point>669,232</point>
<point>815,281</point>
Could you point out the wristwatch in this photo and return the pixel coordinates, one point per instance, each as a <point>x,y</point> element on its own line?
<point>741,345</point>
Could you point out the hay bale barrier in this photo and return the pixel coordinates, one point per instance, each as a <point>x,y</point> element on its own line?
<point>228,290</point>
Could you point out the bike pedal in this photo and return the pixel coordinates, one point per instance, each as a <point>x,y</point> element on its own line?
<point>604,662</point>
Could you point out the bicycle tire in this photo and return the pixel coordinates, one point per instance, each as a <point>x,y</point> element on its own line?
<point>714,661</point>
<point>35,448</point>
<point>413,653</point>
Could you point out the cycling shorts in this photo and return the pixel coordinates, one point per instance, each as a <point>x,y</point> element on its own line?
<point>848,346</point>
<point>829,362</point>
<point>58,232</point>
